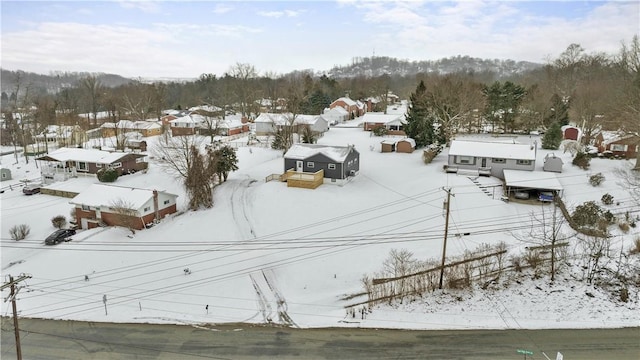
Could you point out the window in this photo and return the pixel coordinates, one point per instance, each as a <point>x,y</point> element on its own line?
<point>116,165</point>
<point>166,202</point>
<point>618,147</point>
<point>498,160</point>
<point>465,159</point>
<point>310,164</point>
<point>332,166</point>
<point>140,160</point>
<point>85,207</point>
<point>523,162</point>
<point>147,208</point>
<point>98,165</point>
<point>81,165</point>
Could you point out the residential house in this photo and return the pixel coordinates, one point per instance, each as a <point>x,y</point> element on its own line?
<point>227,127</point>
<point>62,135</point>
<point>187,125</point>
<point>145,128</point>
<point>490,158</point>
<point>352,107</point>
<point>335,115</point>
<point>617,144</point>
<point>552,163</point>
<point>111,205</point>
<point>406,145</point>
<point>392,122</point>
<point>64,163</point>
<point>269,123</point>
<point>339,163</point>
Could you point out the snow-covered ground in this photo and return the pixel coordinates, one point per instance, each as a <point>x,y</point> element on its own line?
<point>266,252</point>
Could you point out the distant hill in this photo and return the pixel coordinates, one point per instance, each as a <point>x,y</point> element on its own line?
<point>55,81</point>
<point>380,65</point>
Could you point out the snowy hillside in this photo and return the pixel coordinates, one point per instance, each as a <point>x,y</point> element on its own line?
<point>266,252</point>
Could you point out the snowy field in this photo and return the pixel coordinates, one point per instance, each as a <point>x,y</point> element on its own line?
<point>265,248</point>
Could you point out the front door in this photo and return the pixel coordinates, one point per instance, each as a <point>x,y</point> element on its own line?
<point>484,162</point>
<point>299,166</point>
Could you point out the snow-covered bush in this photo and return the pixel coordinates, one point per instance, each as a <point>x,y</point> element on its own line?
<point>607,199</point>
<point>19,232</point>
<point>582,160</point>
<point>596,179</point>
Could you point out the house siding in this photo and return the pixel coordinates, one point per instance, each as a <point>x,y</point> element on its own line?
<point>496,168</point>
<point>113,219</point>
<point>321,162</point>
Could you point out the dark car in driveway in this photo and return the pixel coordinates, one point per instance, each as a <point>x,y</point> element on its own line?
<point>59,236</point>
<point>31,189</point>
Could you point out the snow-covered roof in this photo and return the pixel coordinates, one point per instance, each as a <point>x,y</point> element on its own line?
<point>105,195</point>
<point>128,124</point>
<point>389,142</point>
<point>88,155</point>
<point>493,150</point>
<point>336,111</point>
<point>532,179</point>
<point>285,119</point>
<point>346,100</point>
<point>207,108</point>
<point>410,141</point>
<point>189,119</point>
<point>382,118</point>
<point>303,151</point>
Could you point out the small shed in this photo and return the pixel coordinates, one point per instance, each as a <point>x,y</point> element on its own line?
<point>552,163</point>
<point>5,174</point>
<point>406,145</point>
<point>388,146</point>
<point>570,132</point>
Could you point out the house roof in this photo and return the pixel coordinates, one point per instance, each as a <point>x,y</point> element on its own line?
<point>493,150</point>
<point>346,100</point>
<point>336,111</point>
<point>381,118</point>
<point>88,155</point>
<point>304,151</point>
<point>532,179</point>
<point>284,119</point>
<point>128,124</point>
<point>189,119</point>
<point>105,195</point>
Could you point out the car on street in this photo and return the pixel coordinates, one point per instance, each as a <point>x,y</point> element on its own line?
<point>31,189</point>
<point>59,235</point>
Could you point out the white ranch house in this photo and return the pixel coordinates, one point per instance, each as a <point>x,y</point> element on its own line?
<point>490,158</point>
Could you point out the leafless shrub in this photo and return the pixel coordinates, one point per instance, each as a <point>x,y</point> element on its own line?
<point>636,246</point>
<point>516,262</point>
<point>19,232</point>
<point>59,221</point>
<point>624,227</point>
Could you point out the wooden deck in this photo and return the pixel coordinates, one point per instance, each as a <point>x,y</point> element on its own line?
<point>303,179</point>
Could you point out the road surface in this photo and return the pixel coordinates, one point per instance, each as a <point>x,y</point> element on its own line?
<point>48,339</point>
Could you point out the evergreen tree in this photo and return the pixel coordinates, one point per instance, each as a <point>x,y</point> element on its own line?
<point>552,138</point>
<point>559,112</point>
<point>197,181</point>
<point>419,124</point>
<point>226,161</point>
<point>503,103</point>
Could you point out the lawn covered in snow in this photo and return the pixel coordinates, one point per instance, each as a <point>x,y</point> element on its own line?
<point>265,249</point>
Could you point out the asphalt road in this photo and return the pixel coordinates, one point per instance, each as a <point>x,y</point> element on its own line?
<point>47,339</point>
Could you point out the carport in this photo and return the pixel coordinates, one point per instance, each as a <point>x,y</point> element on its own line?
<point>532,182</point>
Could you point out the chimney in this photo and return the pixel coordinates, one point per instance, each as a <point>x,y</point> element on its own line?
<point>155,205</point>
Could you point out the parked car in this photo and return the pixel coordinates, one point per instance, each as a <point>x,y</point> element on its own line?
<point>545,196</point>
<point>59,236</point>
<point>31,189</point>
<point>523,195</point>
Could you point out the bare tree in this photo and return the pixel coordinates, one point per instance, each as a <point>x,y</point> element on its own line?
<point>126,215</point>
<point>546,235</point>
<point>244,75</point>
<point>93,92</point>
<point>627,91</point>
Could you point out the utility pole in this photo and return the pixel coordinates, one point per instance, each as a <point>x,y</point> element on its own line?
<point>13,295</point>
<point>446,230</point>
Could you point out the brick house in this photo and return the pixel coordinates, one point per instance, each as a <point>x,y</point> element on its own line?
<point>392,122</point>
<point>352,107</point>
<point>186,125</point>
<point>65,163</point>
<point>617,144</point>
<point>111,205</point>
<point>146,128</point>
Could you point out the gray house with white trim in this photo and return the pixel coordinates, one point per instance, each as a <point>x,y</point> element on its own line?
<point>490,158</point>
<point>338,162</point>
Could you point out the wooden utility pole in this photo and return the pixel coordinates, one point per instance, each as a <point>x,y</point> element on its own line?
<point>12,283</point>
<point>446,230</point>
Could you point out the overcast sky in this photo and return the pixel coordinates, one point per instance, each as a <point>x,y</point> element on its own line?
<point>187,38</point>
